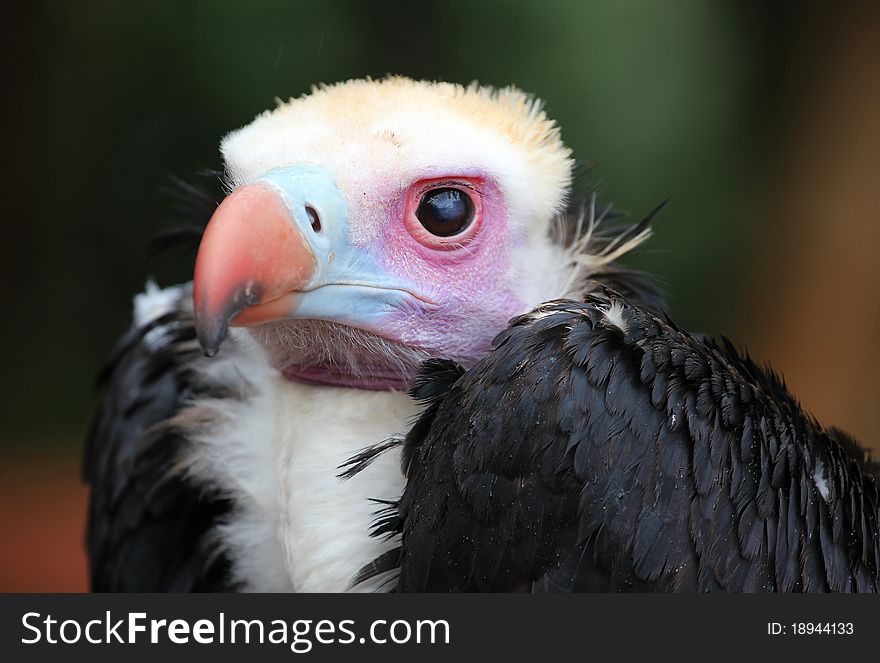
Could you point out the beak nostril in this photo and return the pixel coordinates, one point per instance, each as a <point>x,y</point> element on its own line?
<point>313,219</point>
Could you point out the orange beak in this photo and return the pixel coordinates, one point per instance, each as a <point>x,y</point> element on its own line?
<point>252,263</point>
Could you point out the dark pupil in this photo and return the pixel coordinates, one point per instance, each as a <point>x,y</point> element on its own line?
<point>445,212</point>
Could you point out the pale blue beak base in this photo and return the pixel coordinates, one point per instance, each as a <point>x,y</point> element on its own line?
<point>349,285</point>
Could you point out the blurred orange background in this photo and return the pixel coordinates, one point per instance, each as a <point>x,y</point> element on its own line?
<point>761,123</point>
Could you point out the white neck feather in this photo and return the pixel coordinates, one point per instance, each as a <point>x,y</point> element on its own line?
<point>295,525</point>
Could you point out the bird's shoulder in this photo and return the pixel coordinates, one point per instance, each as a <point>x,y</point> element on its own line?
<point>147,524</point>
<point>599,446</point>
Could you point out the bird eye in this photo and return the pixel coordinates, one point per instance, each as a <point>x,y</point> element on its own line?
<point>445,211</point>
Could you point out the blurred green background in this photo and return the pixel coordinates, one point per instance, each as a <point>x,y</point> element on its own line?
<point>761,122</point>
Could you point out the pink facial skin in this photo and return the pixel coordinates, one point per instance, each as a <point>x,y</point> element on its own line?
<point>467,275</point>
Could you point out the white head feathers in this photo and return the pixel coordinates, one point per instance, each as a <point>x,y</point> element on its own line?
<point>377,136</point>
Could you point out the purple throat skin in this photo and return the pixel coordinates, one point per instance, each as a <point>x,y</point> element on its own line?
<point>376,378</point>
<point>347,356</point>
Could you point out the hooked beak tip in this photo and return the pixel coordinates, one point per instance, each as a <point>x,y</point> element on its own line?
<point>210,341</point>
<point>212,327</point>
<point>253,254</point>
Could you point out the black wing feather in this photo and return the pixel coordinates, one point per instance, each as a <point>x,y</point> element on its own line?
<point>148,526</point>
<point>583,455</point>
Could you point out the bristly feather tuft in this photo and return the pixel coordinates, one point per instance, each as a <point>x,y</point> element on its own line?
<point>356,352</point>
<point>593,246</point>
<point>364,458</point>
<point>191,208</point>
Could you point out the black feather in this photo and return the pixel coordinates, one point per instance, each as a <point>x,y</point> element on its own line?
<point>578,456</point>
<point>364,458</point>
<point>148,527</point>
<point>192,208</point>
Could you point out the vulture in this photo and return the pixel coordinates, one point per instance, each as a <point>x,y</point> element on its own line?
<point>409,360</point>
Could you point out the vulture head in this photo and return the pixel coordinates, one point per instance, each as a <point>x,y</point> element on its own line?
<point>373,224</point>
